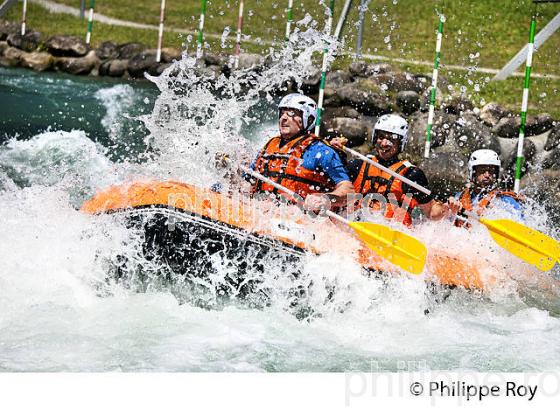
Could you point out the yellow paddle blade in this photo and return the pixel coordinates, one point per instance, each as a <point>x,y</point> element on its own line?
<point>398,248</point>
<point>526,243</point>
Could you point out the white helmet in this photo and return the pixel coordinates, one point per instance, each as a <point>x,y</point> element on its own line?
<point>304,104</point>
<point>483,157</point>
<point>393,123</point>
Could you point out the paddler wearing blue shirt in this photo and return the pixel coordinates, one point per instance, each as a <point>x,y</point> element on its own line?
<point>483,192</point>
<point>300,160</point>
<point>389,138</point>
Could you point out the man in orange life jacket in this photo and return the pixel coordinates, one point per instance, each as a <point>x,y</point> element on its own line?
<point>389,137</point>
<point>301,161</point>
<point>483,192</point>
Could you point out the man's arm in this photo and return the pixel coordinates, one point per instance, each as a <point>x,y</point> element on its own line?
<point>435,210</point>
<point>328,160</point>
<point>340,193</point>
<point>432,209</point>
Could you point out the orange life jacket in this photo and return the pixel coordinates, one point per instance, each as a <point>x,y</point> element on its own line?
<point>465,199</point>
<point>284,165</point>
<point>372,180</point>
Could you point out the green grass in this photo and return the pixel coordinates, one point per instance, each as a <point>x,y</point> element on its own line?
<point>495,29</point>
<point>477,32</point>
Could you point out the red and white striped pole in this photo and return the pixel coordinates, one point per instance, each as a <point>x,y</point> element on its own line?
<point>239,27</point>
<point>23,17</point>
<point>160,34</point>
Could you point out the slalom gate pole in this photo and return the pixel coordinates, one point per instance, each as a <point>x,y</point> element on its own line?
<point>362,16</point>
<point>239,28</point>
<point>289,20</point>
<point>160,33</point>
<point>90,21</point>
<point>200,37</point>
<point>433,91</point>
<point>525,101</point>
<point>82,9</point>
<point>23,17</point>
<point>324,69</point>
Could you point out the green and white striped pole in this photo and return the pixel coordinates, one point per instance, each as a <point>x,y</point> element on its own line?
<point>160,33</point>
<point>324,69</point>
<point>433,91</point>
<point>23,17</point>
<point>239,27</point>
<point>524,103</point>
<point>289,21</point>
<point>200,37</point>
<point>90,21</point>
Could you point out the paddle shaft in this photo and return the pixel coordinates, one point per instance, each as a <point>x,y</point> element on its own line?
<point>357,228</point>
<point>289,192</point>
<point>389,171</point>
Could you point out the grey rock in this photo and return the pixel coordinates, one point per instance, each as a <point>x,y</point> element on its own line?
<point>113,68</point>
<point>107,50</point>
<point>168,55</point>
<point>359,69</point>
<point>141,63</point>
<point>77,65</point>
<point>104,67</point>
<point>11,57</point>
<point>214,59</point>
<point>362,96</point>
<point>457,105</point>
<point>66,46</point>
<point>553,139</point>
<point>508,127</point>
<point>492,113</point>
<point>355,130</point>
<point>446,172</point>
<point>128,51</point>
<point>470,135</point>
<point>38,61</point>
<point>379,68</point>
<point>247,61</point>
<point>338,78</point>
<point>396,82</point>
<point>209,72</point>
<point>364,70</point>
<point>509,157</point>
<point>333,112</point>
<point>28,42</point>
<point>310,85</point>
<point>408,101</point>
<point>7,28</point>
<point>441,132</point>
<point>160,68</point>
<point>552,159</point>
<point>3,46</point>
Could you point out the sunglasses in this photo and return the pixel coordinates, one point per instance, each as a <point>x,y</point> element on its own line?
<point>381,135</point>
<point>291,113</point>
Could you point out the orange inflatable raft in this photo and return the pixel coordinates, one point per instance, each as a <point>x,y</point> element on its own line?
<point>179,218</point>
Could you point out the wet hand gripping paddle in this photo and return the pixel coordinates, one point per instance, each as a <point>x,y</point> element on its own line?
<point>526,243</point>
<point>397,247</point>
